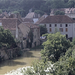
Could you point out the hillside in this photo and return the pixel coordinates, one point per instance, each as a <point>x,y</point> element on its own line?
<point>39,6</point>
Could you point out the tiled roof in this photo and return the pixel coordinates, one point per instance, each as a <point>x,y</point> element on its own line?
<point>30,15</point>
<point>41,19</point>
<point>31,25</point>
<point>9,23</point>
<point>28,20</point>
<point>58,19</point>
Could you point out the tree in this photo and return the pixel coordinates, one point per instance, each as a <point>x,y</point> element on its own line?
<point>55,46</point>
<point>39,12</point>
<point>66,64</point>
<point>59,13</point>
<point>71,3</point>
<point>43,30</point>
<point>15,12</point>
<point>6,38</point>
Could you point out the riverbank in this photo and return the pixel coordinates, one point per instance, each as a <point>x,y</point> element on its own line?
<point>25,60</point>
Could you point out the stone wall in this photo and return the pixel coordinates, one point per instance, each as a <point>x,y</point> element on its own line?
<point>10,53</point>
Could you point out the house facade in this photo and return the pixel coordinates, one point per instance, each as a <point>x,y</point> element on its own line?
<point>12,25</point>
<point>60,23</point>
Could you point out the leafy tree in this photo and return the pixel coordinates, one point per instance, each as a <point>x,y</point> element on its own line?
<point>6,38</point>
<point>71,3</point>
<point>55,46</point>
<point>59,13</point>
<point>45,6</point>
<point>73,41</point>
<point>43,30</point>
<point>39,12</point>
<point>15,12</point>
<point>66,64</point>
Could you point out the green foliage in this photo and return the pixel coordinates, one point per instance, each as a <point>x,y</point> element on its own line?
<point>71,3</point>
<point>55,46</point>
<point>6,39</point>
<point>39,6</point>
<point>39,68</point>
<point>66,64</point>
<point>73,41</point>
<point>43,30</point>
<point>59,13</point>
<point>39,12</point>
<point>15,12</point>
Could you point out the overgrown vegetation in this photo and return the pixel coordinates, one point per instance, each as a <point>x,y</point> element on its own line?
<point>8,43</point>
<point>6,39</point>
<point>58,57</point>
<point>55,46</point>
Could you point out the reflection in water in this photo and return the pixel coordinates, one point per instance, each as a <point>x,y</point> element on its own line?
<point>27,58</point>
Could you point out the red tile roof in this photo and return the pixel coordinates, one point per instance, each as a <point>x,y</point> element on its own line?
<point>58,19</point>
<point>28,20</point>
<point>9,23</point>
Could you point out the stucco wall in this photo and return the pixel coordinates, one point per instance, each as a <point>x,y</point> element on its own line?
<point>70,28</point>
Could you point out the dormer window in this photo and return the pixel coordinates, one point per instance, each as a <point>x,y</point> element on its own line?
<point>50,25</point>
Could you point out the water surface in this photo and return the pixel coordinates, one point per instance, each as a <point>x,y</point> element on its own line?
<point>25,60</point>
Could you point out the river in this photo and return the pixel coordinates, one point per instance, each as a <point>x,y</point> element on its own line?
<point>25,60</point>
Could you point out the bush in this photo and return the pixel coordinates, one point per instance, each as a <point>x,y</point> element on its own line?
<point>55,46</point>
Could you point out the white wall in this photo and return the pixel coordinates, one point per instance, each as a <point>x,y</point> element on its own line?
<point>70,28</point>
<point>35,20</point>
<point>0,24</point>
<point>73,30</point>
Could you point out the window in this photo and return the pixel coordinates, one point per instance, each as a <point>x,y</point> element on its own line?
<point>50,29</point>
<point>61,29</point>
<point>66,29</point>
<point>55,25</point>
<point>50,25</point>
<point>66,25</point>
<point>60,25</point>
